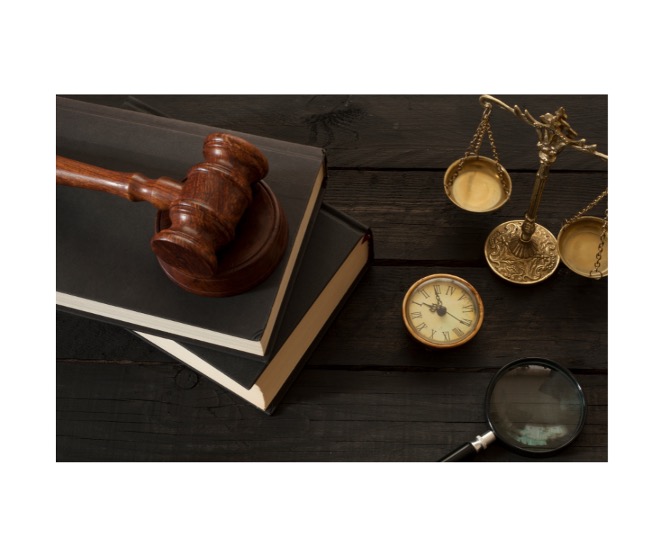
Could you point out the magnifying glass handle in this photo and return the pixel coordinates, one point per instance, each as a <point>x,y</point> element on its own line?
<point>470,449</point>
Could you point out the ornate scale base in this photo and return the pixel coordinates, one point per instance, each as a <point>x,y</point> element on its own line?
<point>521,262</point>
<point>260,241</point>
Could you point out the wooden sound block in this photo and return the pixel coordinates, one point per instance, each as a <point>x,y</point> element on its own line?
<point>260,241</point>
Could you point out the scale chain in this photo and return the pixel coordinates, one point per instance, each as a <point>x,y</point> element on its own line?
<point>600,248</point>
<point>495,157</point>
<point>478,138</point>
<point>475,145</point>
<point>587,208</point>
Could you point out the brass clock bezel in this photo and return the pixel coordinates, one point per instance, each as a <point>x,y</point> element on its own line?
<point>461,341</point>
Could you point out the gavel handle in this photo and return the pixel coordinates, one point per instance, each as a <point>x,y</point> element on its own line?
<point>160,192</point>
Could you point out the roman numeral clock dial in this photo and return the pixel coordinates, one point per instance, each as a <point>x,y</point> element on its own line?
<point>442,311</point>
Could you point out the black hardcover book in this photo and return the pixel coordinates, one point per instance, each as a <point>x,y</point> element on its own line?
<point>338,253</point>
<point>105,268</point>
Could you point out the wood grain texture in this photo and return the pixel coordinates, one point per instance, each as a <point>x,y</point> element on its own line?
<point>412,219</point>
<point>389,131</point>
<point>519,322</point>
<point>368,392</point>
<point>161,412</point>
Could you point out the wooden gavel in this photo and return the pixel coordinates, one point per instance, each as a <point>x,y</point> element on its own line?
<point>204,210</point>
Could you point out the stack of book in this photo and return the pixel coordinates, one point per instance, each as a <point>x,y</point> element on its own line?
<point>253,343</point>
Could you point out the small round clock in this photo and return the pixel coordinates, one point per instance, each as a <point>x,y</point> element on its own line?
<point>442,311</point>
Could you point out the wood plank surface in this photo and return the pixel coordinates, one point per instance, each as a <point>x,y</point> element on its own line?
<point>387,131</point>
<point>159,412</point>
<point>368,392</point>
<point>413,220</point>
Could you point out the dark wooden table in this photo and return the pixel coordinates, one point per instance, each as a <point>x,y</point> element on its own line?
<point>368,393</point>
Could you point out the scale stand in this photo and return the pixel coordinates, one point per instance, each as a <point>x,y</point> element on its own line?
<point>525,252</point>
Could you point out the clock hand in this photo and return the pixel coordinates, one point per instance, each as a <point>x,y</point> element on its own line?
<point>457,319</point>
<point>432,307</point>
<point>437,308</point>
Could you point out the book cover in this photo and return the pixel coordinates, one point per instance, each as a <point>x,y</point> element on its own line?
<point>338,253</point>
<point>105,268</point>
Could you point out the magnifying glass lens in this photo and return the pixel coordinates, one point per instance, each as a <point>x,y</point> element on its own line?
<point>536,407</point>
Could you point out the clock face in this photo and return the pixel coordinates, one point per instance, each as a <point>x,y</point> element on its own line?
<point>442,311</point>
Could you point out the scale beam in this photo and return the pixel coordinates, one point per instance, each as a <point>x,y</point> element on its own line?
<point>523,251</point>
<point>539,125</point>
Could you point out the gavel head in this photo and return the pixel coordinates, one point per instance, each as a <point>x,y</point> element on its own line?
<point>214,197</point>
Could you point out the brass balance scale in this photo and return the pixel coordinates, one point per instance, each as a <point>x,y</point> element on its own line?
<point>523,251</point>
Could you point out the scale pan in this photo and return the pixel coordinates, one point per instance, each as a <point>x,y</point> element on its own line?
<point>578,243</point>
<point>477,187</point>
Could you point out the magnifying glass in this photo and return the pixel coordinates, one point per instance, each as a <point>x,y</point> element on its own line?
<point>533,406</point>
